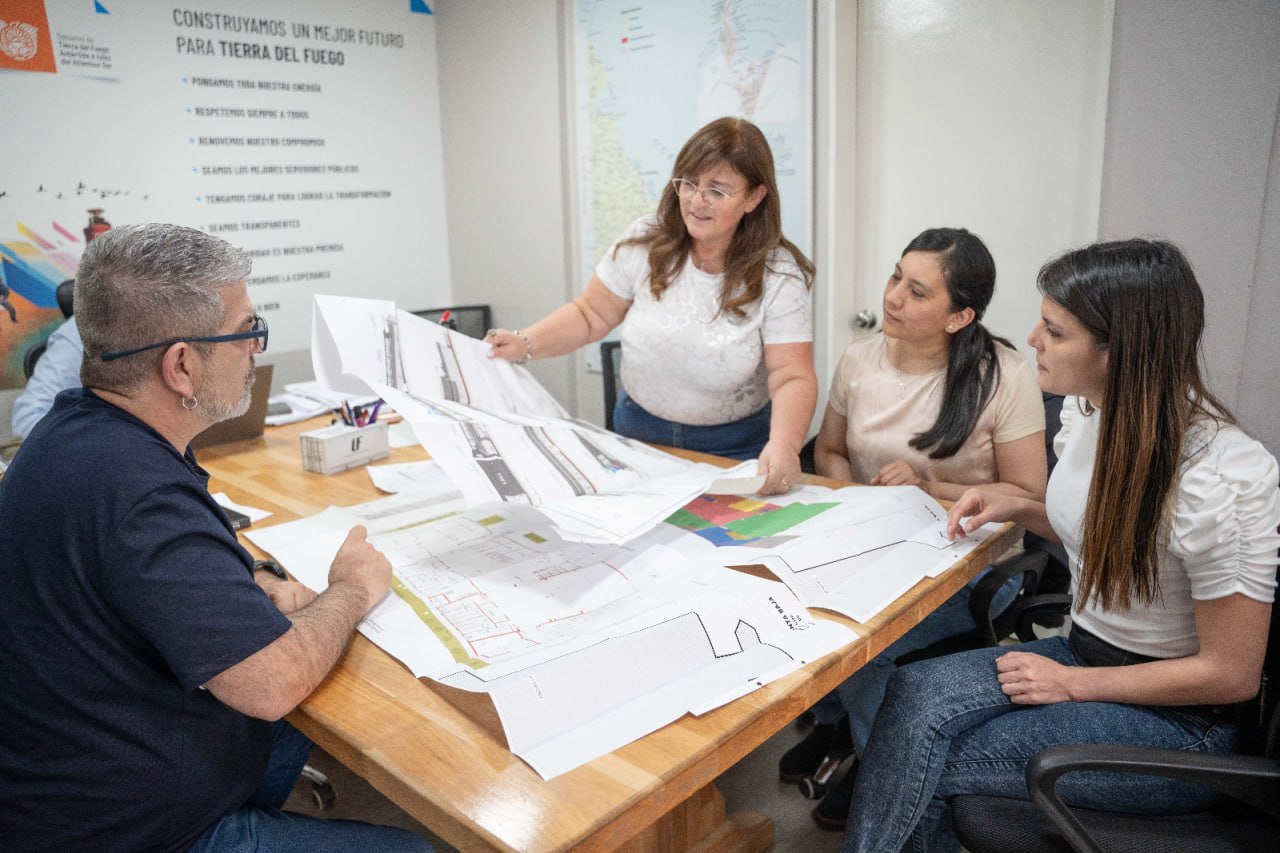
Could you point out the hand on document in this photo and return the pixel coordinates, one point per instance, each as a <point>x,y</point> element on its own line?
<point>780,466</point>
<point>977,507</point>
<point>359,562</point>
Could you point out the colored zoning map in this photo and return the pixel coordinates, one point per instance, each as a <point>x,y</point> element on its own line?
<point>725,520</point>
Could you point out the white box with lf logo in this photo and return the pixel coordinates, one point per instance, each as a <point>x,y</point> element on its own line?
<point>339,447</point>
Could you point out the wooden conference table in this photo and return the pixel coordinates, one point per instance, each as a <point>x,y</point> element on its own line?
<point>455,774</point>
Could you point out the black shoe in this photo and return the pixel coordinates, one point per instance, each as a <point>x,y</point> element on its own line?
<point>832,811</point>
<point>803,759</point>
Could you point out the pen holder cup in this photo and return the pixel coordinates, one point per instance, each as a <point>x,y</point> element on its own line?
<point>339,447</point>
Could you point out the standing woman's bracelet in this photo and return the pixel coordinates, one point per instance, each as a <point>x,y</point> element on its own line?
<point>528,347</point>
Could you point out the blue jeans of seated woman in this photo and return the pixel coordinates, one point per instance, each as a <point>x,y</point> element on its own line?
<point>261,827</point>
<point>946,729</point>
<point>742,439</point>
<point>860,694</point>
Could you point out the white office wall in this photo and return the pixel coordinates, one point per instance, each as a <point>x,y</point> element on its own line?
<point>985,115</point>
<point>1192,155</point>
<point>1258,397</point>
<point>504,160</point>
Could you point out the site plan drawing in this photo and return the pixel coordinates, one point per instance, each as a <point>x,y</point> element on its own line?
<point>492,600</point>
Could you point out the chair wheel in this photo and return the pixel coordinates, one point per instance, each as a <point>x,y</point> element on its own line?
<point>812,790</point>
<point>322,795</point>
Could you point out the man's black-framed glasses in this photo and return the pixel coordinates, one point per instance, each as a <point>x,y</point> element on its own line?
<point>258,331</point>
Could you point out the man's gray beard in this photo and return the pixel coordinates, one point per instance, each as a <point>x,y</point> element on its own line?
<point>217,411</point>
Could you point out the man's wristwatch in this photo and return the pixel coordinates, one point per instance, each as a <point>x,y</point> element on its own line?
<point>270,566</point>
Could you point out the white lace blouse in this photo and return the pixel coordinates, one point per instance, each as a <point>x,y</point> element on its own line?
<point>683,360</point>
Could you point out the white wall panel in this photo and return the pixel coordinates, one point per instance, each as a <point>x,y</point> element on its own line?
<point>985,115</point>
<point>1191,151</point>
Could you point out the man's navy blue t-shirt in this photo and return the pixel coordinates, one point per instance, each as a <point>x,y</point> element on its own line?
<point>123,590</point>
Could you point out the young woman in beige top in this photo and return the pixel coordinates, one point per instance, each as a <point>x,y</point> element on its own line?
<point>938,402</point>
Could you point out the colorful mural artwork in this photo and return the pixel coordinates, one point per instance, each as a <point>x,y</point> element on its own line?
<point>32,265</point>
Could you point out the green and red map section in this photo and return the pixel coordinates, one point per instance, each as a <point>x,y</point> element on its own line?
<point>725,520</point>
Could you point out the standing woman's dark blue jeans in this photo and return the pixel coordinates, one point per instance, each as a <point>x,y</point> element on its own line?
<point>743,439</point>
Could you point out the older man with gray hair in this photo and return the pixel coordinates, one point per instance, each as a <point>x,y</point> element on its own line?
<point>147,665</point>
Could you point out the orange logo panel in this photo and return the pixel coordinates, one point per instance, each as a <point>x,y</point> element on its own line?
<point>25,44</point>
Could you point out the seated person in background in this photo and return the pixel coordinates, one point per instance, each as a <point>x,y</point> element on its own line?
<point>1168,512</point>
<point>718,340</point>
<point>57,370</point>
<point>59,367</point>
<point>145,659</point>
<point>936,402</point>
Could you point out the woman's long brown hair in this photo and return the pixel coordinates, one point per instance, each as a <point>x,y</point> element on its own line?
<point>740,144</point>
<point>1141,302</point>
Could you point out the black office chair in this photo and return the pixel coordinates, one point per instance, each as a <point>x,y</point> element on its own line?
<point>1247,819</point>
<point>472,320</point>
<point>65,294</point>
<point>807,463</point>
<point>31,356</point>
<point>611,369</point>
<point>1051,607</point>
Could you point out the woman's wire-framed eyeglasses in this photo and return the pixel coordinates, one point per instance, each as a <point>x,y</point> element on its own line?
<point>258,330</point>
<point>713,196</point>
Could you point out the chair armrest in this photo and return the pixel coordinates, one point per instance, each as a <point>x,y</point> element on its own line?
<point>1030,564</point>
<point>1035,608</point>
<point>609,378</point>
<point>1252,779</point>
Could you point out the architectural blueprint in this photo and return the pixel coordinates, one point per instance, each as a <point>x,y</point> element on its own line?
<point>580,647</point>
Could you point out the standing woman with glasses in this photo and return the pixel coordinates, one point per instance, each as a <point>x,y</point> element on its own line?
<point>718,343</point>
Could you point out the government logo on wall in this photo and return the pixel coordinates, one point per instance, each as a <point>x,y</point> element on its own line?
<point>25,44</point>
